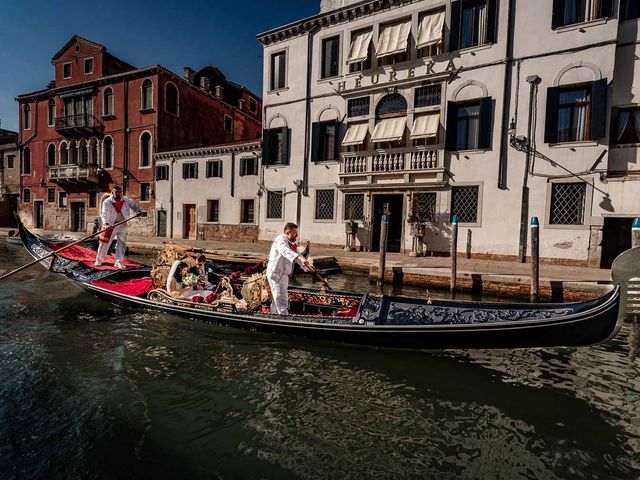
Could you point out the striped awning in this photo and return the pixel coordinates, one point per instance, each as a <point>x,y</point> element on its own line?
<point>430,30</point>
<point>356,134</point>
<point>359,50</point>
<point>425,126</point>
<point>393,39</point>
<point>389,129</point>
<point>77,93</point>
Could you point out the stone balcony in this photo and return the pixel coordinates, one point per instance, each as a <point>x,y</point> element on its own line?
<point>74,173</point>
<point>392,168</point>
<point>82,124</point>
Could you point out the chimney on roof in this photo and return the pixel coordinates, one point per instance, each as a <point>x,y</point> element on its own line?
<point>189,74</point>
<point>205,84</point>
<point>219,91</point>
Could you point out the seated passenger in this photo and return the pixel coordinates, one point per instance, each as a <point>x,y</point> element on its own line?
<point>183,283</point>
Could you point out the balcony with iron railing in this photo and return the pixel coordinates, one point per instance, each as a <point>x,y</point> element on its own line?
<point>74,173</point>
<point>80,123</point>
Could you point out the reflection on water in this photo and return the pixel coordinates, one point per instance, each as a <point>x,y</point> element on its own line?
<point>91,389</point>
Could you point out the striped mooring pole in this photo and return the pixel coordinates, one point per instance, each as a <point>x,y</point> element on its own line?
<point>535,260</point>
<point>635,233</point>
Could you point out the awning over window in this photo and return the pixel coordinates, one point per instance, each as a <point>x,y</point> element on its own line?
<point>430,30</point>
<point>359,50</point>
<point>394,39</point>
<point>355,134</point>
<point>425,126</point>
<point>77,93</point>
<point>389,130</point>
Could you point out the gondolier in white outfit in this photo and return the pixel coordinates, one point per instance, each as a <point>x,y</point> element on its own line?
<point>115,209</point>
<point>284,252</point>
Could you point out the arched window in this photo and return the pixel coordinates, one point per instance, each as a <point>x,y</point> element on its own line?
<point>73,150</point>
<point>145,149</point>
<point>51,155</point>
<point>146,96</point>
<point>83,152</point>
<point>391,106</point>
<point>64,154</point>
<point>93,151</point>
<point>51,113</point>
<point>171,99</point>
<point>107,102</point>
<point>107,153</point>
<point>26,117</point>
<point>26,161</point>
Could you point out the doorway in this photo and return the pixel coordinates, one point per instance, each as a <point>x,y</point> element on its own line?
<point>38,214</point>
<point>161,230</point>
<point>396,206</point>
<point>616,238</point>
<point>189,228</point>
<point>77,217</point>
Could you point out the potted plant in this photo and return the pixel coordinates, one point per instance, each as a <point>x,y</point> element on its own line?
<point>416,224</point>
<point>351,226</point>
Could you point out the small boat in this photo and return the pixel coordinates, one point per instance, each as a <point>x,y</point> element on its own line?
<point>14,238</point>
<point>359,318</point>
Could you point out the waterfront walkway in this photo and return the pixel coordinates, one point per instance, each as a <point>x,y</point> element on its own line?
<point>557,282</point>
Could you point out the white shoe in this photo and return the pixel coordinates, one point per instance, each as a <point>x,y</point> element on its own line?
<point>97,264</point>
<point>119,265</point>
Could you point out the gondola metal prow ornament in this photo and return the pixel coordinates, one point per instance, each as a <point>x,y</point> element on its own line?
<point>38,260</point>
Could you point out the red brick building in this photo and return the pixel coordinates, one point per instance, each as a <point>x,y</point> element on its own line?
<point>100,122</point>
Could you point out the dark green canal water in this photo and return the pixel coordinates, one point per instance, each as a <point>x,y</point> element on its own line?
<point>93,390</point>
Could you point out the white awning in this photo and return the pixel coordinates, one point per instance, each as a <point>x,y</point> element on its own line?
<point>425,126</point>
<point>430,30</point>
<point>389,130</point>
<point>359,50</point>
<point>356,134</point>
<point>394,39</point>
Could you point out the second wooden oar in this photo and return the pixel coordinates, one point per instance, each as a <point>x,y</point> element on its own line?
<point>324,282</point>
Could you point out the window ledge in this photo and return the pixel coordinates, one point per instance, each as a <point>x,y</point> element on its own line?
<point>624,145</point>
<point>211,223</point>
<point>554,226</point>
<point>586,143</point>
<point>476,48</point>
<point>273,220</point>
<point>330,79</point>
<point>316,220</point>
<point>327,162</point>
<point>108,117</point>
<point>471,151</point>
<point>277,91</point>
<point>358,118</point>
<point>430,108</point>
<point>578,26</point>
<point>147,110</point>
<point>276,166</point>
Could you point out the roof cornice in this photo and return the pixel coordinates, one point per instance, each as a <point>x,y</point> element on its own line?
<point>250,146</point>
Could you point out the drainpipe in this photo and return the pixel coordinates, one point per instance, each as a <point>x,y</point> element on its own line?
<point>173,160</point>
<point>307,118</point>
<point>125,157</point>
<point>233,173</point>
<point>506,105</point>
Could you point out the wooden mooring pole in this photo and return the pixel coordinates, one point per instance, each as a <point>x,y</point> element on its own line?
<point>468,255</point>
<point>535,260</point>
<point>384,230</point>
<point>635,233</point>
<point>454,252</point>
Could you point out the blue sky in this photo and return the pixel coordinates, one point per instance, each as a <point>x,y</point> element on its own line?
<point>170,33</point>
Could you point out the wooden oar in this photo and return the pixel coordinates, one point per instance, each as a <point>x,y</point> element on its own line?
<point>37,260</point>
<point>324,282</point>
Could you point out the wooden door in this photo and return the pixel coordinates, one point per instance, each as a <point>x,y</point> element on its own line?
<point>189,230</point>
<point>38,214</point>
<point>77,217</point>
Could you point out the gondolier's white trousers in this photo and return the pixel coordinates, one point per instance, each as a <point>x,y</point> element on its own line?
<point>120,235</point>
<point>280,295</point>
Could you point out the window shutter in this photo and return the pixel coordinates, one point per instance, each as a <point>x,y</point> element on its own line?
<point>220,169</point>
<point>598,109</point>
<point>454,29</point>
<point>243,167</point>
<point>607,8</point>
<point>338,141</point>
<point>452,126</point>
<point>492,21</point>
<point>551,120</point>
<point>486,110</point>
<point>184,170</point>
<point>266,147</point>
<point>557,19</point>
<point>285,145</point>
<point>196,176</point>
<point>315,142</point>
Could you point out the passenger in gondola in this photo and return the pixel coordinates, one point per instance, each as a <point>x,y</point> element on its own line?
<point>183,282</point>
<point>210,272</point>
<point>283,255</point>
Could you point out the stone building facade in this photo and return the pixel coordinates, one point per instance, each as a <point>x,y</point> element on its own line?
<point>9,177</point>
<point>101,121</point>
<point>483,109</point>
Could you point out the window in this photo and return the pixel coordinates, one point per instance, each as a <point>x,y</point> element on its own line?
<point>428,96</point>
<point>51,155</point>
<point>253,105</point>
<point>107,153</point>
<point>146,95</point>
<point>11,161</point>
<point>247,211</point>
<point>627,126</point>
<point>26,195</point>
<point>430,33</point>
<point>88,66</point>
<point>393,44</point>
<point>572,115</point>
<point>214,168</point>
<point>26,161</point>
<point>66,70</point>
<point>62,199</point>
<point>51,195</point>
<point>162,172</point>
<point>190,170</point>
<point>424,206</point>
<point>473,23</point>
<point>358,107</point>
<point>567,203</point>
<point>145,149</point>
<point>359,58</point>
<point>145,192</point>
<point>629,9</point>
<point>213,210</point>
<point>275,144</point>
<point>107,102</point>
<point>469,125</point>
<point>228,124</point>
<point>464,203</point>
<point>325,200</point>
<point>274,205</point>
<point>278,70</point>
<point>330,57</point>
<point>248,166</point>
<point>51,113</point>
<point>26,117</point>
<point>569,12</point>
<point>325,145</point>
<point>93,199</point>
<point>391,105</point>
<point>354,206</point>
<point>171,99</point>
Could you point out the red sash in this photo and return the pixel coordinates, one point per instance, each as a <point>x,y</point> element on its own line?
<point>293,247</point>
<point>106,235</point>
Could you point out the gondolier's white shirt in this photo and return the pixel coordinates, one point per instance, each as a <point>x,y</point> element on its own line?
<point>109,214</point>
<point>281,259</point>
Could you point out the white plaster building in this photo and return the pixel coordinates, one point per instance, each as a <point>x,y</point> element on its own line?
<point>209,192</point>
<point>433,103</point>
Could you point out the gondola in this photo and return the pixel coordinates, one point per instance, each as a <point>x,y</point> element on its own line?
<point>361,318</point>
